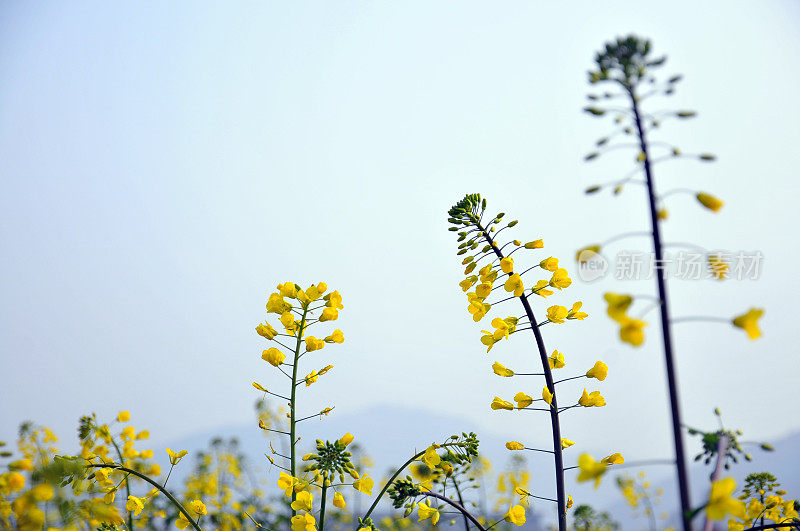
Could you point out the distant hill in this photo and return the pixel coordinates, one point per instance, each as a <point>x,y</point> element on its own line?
<point>389,435</point>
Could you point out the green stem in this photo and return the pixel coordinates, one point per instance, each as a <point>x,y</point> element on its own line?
<point>161,489</point>
<point>322,508</point>
<point>292,408</point>
<point>394,476</point>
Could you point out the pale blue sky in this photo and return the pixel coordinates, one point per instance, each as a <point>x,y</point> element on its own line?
<point>165,165</point>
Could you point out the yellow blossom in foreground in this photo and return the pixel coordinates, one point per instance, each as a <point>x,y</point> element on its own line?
<point>576,313</point>
<point>468,282</point>
<point>488,339</point>
<point>599,371</point>
<point>478,309</point>
<point>175,457</point>
<point>516,515</point>
<point>198,507</point>
<point>346,439</point>
<point>303,501</point>
<point>523,400</point>
<point>549,264</point>
<point>539,289</point>
<point>590,469</point>
<point>566,443</point>
<point>618,304</point>
<point>483,290</point>
<point>123,416</point>
<point>336,337</point>
<point>535,244</point>
<point>334,300</point>
<point>312,344</point>
<point>547,396</point>
<point>303,522</point>
<point>338,500</point>
<point>499,403</point>
<point>569,501</point>
<point>265,330</point>
<point>749,322</point>
<point>613,459</point>
<point>507,265</point>
<point>311,378</point>
<point>632,331</point>
<point>134,505</point>
<point>560,279</point>
<point>286,483</point>
<point>557,314</point>
<point>288,322</point>
<point>425,511</point>
<point>276,304</point>
<point>273,356</point>
<point>721,503</point>
<point>500,370</point>
<point>329,314</point>
<point>364,484</point>
<point>556,360</point>
<point>431,458</point>
<point>709,201</point>
<point>514,445</point>
<point>593,399</point>
<point>514,283</point>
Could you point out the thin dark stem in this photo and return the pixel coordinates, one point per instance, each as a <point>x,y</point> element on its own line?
<point>394,476</point>
<point>568,379</point>
<point>773,526</point>
<point>461,502</point>
<point>701,318</point>
<point>458,507</point>
<point>672,382</point>
<point>156,485</point>
<point>539,450</point>
<point>127,483</point>
<point>556,426</point>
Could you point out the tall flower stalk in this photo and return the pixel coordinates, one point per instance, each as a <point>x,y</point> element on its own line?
<point>627,64</point>
<point>467,216</point>
<point>299,309</point>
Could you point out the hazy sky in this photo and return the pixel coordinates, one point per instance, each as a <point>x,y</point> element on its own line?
<point>165,165</point>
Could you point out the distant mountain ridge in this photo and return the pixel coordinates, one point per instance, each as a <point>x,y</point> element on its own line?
<point>390,434</point>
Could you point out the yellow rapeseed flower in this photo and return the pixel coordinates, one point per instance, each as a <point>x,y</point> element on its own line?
<point>425,511</point>
<point>514,284</point>
<point>557,314</point>
<point>499,403</point>
<point>500,370</point>
<point>599,371</point>
<point>516,515</point>
<point>709,201</point>
<point>749,322</point>
<point>721,503</point>
<point>273,356</point>
<point>549,264</point>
